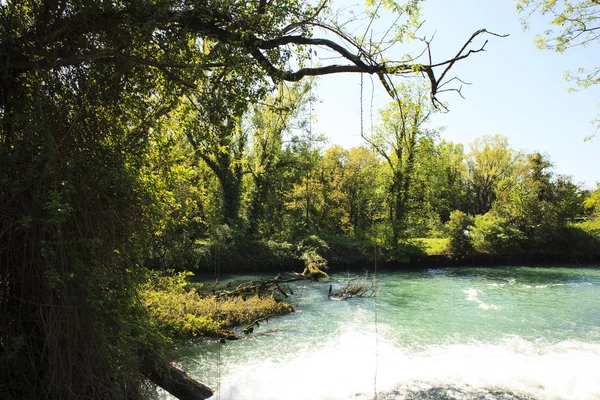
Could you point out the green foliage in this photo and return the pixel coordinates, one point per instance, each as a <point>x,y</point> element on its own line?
<point>490,162</point>
<point>493,234</point>
<point>396,140</point>
<point>460,243</point>
<point>579,241</point>
<point>592,203</point>
<point>571,24</point>
<point>349,250</point>
<point>591,227</point>
<point>230,250</point>
<point>434,246</point>
<point>405,251</point>
<point>180,311</point>
<point>123,139</point>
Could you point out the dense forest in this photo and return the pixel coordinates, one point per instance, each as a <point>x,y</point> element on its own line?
<point>166,134</point>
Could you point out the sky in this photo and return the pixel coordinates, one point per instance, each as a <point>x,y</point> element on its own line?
<point>515,89</point>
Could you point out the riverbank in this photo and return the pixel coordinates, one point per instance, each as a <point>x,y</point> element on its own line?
<point>349,254</point>
<point>179,311</point>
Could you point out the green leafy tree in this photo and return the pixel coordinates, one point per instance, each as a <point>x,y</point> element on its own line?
<point>438,187</point>
<point>459,228</point>
<point>362,189</point>
<point>184,204</point>
<point>493,234</point>
<point>592,203</point>
<point>571,24</point>
<point>396,140</point>
<point>304,201</point>
<point>270,166</point>
<point>537,203</point>
<point>489,162</point>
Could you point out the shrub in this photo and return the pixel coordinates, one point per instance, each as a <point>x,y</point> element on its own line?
<point>180,311</point>
<point>494,235</point>
<point>459,234</point>
<point>247,255</point>
<point>348,250</point>
<point>405,251</point>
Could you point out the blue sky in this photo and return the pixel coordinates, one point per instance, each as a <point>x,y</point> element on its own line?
<point>516,90</point>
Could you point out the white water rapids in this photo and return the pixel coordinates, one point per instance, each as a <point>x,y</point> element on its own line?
<point>511,333</point>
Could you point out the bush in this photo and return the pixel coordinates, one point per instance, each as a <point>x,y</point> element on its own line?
<point>577,240</point>
<point>494,235</point>
<point>405,251</point>
<point>347,250</point>
<point>591,227</point>
<point>459,234</point>
<point>246,255</point>
<point>180,311</point>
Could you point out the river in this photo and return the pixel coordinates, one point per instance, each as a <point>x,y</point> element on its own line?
<point>460,333</point>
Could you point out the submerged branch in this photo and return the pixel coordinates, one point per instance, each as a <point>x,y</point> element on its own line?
<point>355,288</point>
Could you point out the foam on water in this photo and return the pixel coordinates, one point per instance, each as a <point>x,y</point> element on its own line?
<point>472,295</point>
<point>485,334</point>
<point>345,369</point>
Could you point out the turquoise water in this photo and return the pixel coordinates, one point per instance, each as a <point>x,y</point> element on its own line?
<point>462,333</point>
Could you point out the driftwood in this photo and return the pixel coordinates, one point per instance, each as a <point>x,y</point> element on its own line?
<point>250,327</point>
<point>355,288</point>
<point>271,286</point>
<point>314,272</point>
<point>178,383</point>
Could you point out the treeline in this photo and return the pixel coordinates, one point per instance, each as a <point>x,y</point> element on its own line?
<point>271,182</point>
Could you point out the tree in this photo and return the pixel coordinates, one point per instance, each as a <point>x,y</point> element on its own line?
<point>180,39</point>
<point>572,24</point>
<point>537,203</point>
<point>396,140</point>
<point>212,122</point>
<point>459,227</point>
<point>592,203</point>
<point>439,187</point>
<point>270,124</point>
<point>361,188</point>
<point>489,161</point>
<point>305,199</point>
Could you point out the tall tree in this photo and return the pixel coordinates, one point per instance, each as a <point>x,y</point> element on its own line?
<point>396,140</point>
<point>490,160</point>
<point>538,203</point>
<point>212,121</point>
<point>438,186</point>
<point>361,188</point>
<point>271,123</point>
<point>592,203</point>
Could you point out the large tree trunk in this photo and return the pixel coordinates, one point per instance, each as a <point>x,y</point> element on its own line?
<point>230,184</point>
<point>178,383</point>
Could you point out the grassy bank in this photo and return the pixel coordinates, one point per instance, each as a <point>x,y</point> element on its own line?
<point>179,310</point>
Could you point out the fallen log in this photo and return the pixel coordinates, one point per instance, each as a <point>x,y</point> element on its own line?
<point>178,383</point>
<point>250,328</point>
<point>272,286</point>
<point>355,288</point>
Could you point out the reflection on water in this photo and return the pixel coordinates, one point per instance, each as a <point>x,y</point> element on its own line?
<point>465,333</point>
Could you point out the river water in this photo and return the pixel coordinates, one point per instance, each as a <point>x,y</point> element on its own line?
<point>460,333</point>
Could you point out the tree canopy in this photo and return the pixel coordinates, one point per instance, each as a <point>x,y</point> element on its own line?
<point>181,39</point>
